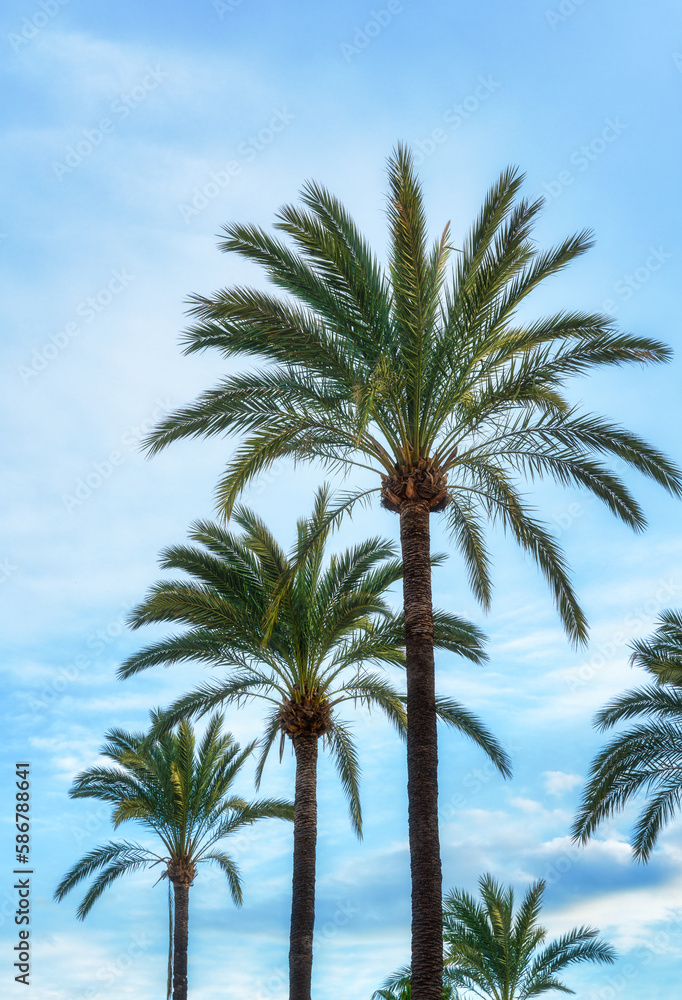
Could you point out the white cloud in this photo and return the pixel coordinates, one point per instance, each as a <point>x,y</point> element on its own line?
<point>558,782</point>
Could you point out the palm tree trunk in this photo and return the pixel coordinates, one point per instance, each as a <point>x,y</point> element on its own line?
<point>303,884</point>
<point>422,756</point>
<point>180,935</point>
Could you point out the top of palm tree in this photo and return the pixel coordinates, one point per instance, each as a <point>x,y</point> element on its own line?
<point>333,620</point>
<point>421,370</point>
<point>501,954</point>
<point>176,789</point>
<point>497,953</point>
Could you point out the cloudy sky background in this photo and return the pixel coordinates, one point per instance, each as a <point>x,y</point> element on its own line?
<point>131,133</point>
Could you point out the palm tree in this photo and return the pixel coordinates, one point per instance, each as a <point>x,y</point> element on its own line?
<point>424,374</point>
<point>332,620</point>
<point>648,757</point>
<point>181,793</point>
<point>496,954</point>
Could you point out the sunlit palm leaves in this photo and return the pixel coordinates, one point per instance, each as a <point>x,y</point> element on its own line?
<point>333,620</point>
<point>495,952</point>
<point>176,790</point>
<point>426,359</point>
<point>182,793</point>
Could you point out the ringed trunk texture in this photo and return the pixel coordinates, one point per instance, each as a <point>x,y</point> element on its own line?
<point>422,756</point>
<point>180,932</point>
<point>303,883</point>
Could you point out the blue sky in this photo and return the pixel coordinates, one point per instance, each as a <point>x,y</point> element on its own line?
<point>131,134</point>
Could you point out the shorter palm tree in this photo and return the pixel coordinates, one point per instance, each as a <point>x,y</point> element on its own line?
<point>496,954</point>
<point>182,794</point>
<point>332,619</point>
<point>648,757</point>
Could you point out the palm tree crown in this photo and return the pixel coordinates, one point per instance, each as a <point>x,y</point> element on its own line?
<point>420,371</point>
<point>331,620</point>
<point>647,758</point>
<point>182,793</point>
<point>496,953</point>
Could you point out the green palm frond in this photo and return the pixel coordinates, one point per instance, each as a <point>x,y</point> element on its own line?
<point>645,759</point>
<point>177,788</point>
<point>455,715</point>
<point>230,871</point>
<point>497,951</point>
<point>345,759</point>
<point>661,654</point>
<point>426,357</point>
<point>333,621</point>
<point>112,860</point>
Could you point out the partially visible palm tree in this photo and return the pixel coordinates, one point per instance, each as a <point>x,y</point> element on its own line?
<point>331,621</point>
<point>181,793</point>
<point>498,954</point>
<point>399,987</point>
<point>648,757</point>
<point>423,372</point>
<point>502,955</point>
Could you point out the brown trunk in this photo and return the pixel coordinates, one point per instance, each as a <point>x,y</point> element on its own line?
<point>180,931</point>
<point>303,883</point>
<point>422,756</point>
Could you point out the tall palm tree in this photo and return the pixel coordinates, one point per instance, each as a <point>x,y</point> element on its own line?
<point>648,757</point>
<point>183,794</point>
<point>497,954</point>
<point>423,373</point>
<point>332,619</point>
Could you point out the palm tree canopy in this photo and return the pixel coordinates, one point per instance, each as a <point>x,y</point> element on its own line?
<point>500,954</point>
<point>647,757</point>
<point>332,620</point>
<point>495,953</point>
<point>421,370</point>
<point>176,790</point>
